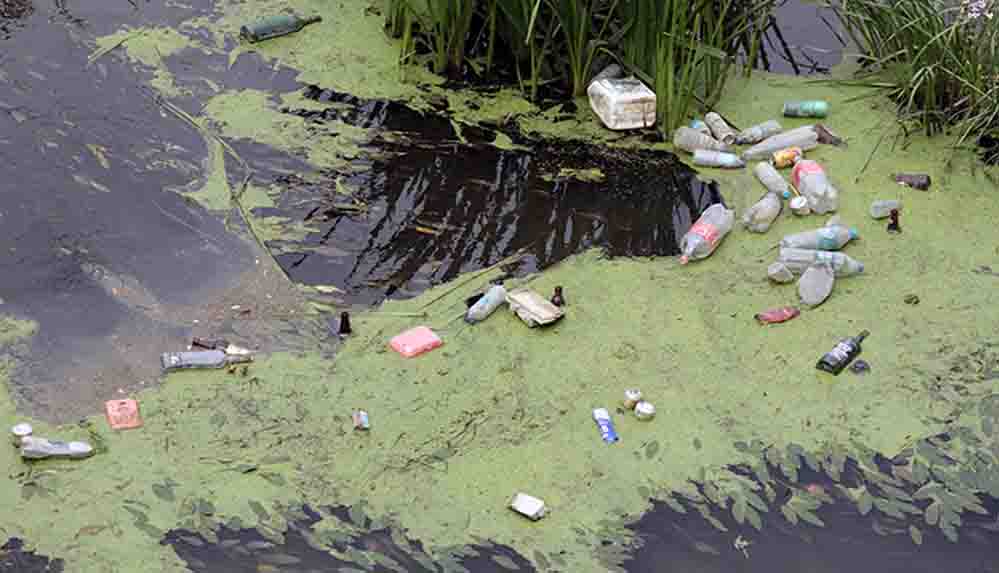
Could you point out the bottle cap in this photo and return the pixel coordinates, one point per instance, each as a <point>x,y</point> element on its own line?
<point>684,259</point>
<point>853,233</point>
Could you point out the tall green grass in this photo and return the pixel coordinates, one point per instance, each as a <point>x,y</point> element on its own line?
<point>445,25</point>
<point>936,60</point>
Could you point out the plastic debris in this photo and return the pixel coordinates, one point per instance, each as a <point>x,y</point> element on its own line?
<point>758,132</point>
<point>777,315</point>
<point>797,260</point>
<point>34,448</point>
<point>690,140</point>
<point>622,103</point>
<point>632,397</point>
<point>720,128</point>
<point>920,181</point>
<point>882,208</point>
<point>779,273</point>
<point>799,206</point>
<point>771,179</point>
<point>612,71</point>
<point>704,236</point>
<point>828,238</point>
<point>860,367</point>
<point>712,158</point>
<point>842,354</point>
<point>274,26</point>
<point>805,137</point>
<point>893,225</point>
<point>912,299</point>
<point>645,411</point>
<point>415,341</point>
<point>816,284</point>
<point>759,217</point>
<point>200,359</point>
<point>123,414</point>
<point>361,421</point>
<point>532,308</point>
<point>811,181</point>
<point>700,126</point>
<point>528,506</point>
<point>485,306</point>
<point>784,158</point>
<point>19,432</point>
<point>812,108</point>
<point>607,432</point>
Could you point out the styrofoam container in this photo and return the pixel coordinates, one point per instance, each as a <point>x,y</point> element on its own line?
<point>624,103</point>
<point>528,506</point>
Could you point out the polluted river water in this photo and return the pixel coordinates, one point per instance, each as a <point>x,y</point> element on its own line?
<point>755,462</point>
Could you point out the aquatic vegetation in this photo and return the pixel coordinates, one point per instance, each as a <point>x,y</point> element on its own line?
<point>936,59</point>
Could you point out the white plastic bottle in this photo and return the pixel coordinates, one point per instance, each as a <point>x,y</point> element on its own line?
<point>759,217</point>
<point>485,306</point>
<point>882,207</point>
<point>797,260</point>
<point>829,238</point>
<point>758,132</point>
<point>805,137</point>
<point>704,236</point>
<point>712,158</point>
<point>772,179</point>
<point>690,140</point>
<point>720,128</point>
<point>810,179</point>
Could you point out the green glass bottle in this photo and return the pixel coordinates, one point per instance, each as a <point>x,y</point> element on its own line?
<point>813,108</point>
<point>274,26</point>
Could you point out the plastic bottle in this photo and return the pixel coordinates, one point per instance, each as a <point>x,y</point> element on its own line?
<point>771,179</point>
<point>712,158</point>
<point>842,354</point>
<point>805,137</point>
<point>690,140</point>
<point>758,132</point>
<point>919,181</point>
<point>200,359</point>
<point>813,108</point>
<point>274,26</point>
<point>786,157</point>
<point>722,131</point>
<point>797,260</point>
<point>799,206</point>
<point>494,297</point>
<point>810,179</point>
<point>759,217</point>
<point>829,238</point>
<point>882,208</point>
<point>815,284</point>
<point>779,273</point>
<point>703,237</point>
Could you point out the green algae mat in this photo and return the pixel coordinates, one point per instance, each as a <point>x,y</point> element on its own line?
<point>502,408</point>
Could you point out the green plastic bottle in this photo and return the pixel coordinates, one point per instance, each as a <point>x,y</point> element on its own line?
<point>274,26</point>
<point>813,108</point>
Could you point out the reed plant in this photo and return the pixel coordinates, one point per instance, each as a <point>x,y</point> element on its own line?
<point>445,25</point>
<point>937,59</point>
<point>584,26</point>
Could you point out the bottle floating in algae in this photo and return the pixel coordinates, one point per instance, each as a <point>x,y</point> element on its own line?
<point>813,108</point>
<point>274,26</point>
<point>842,354</point>
<point>200,359</point>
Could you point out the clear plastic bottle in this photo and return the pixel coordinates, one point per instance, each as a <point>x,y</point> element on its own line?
<point>829,238</point>
<point>704,236</point>
<point>758,132</point>
<point>806,137</point>
<point>882,207</point>
<point>811,108</point>
<point>700,126</point>
<point>815,284</point>
<point>720,128</point>
<point>771,179</point>
<point>810,179</point>
<point>799,206</point>
<point>797,260</point>
<point>485,306</point>
<point>690,140</point>
<point>712,158</point>
<point>759,217</point>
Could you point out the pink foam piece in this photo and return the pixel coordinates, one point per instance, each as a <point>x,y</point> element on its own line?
<point>415,341</point>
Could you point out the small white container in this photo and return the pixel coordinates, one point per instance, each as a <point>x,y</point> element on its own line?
<point>624,103</point>
<point>528,506</point>
<point>645,410</point>
<point>19,432</point>
<point>632,397</point>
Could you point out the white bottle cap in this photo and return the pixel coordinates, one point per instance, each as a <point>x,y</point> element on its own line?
<point>19,432</point>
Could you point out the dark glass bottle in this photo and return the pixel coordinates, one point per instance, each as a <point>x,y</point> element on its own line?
<point>210,343</point>
<point>345,329</point>
<point>274,26</point>
<point>557,298</point>
<point>842,354</point>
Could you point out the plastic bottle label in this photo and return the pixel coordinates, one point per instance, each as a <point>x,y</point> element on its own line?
<point>840,352</point>
<point>804,168</point>
<point>827,239</point>
<point>707,231</point>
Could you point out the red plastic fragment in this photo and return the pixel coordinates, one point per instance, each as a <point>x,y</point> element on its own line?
<point>775,315</point>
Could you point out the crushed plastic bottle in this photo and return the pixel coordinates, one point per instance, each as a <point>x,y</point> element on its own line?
<point>758,132</point>
<point>810,179</point>
<point>759,217</point>
<point>806,137</point>
<point>779,273</point>
<point>881,208</point>
<point>700,126</point>
<point>704,236</point>
<point>486,305</point>
<point>771,179</point>
<point>690,140</point>
<point>828,238</point>
<point>812,108</point>
<point>815,284</point>
<point>797,260</point>
<point>720,128</point>
<point>712,158</point>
